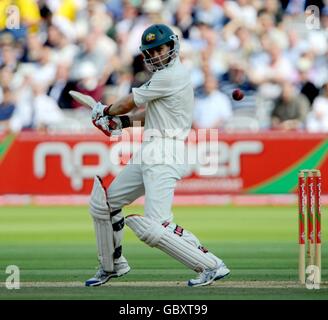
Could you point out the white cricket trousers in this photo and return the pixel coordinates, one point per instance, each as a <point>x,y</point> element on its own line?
<point>153,171</point>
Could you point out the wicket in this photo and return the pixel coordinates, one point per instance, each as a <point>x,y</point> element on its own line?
<point>309,193</point>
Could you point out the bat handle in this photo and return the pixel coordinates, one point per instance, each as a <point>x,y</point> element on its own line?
<point>116,133</point>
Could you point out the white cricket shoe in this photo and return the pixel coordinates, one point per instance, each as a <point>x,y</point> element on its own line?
<point>208,276</point>
<point>121,268</point>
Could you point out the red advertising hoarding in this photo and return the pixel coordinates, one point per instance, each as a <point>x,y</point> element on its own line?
<point>257,163</point>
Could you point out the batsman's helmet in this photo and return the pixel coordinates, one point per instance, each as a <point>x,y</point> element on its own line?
<point>155,36</point>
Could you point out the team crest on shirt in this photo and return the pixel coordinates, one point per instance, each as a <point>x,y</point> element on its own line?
<point>150,37</point>
<point>147,84</point>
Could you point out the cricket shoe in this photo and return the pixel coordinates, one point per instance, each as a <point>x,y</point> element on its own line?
<point>208,276</point>
<point>121,268</point>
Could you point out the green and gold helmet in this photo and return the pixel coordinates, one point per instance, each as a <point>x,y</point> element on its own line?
<point>155,36</point>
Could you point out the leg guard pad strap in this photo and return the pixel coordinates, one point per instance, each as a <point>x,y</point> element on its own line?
<point>119,225</point>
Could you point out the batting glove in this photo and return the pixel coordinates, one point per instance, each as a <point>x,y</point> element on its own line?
<point>108,124</point>
<point>98,111</point>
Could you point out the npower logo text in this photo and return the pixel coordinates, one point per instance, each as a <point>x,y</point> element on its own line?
<point>217,159</point>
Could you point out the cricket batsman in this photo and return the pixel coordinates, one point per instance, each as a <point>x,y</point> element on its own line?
<point>154,170</point>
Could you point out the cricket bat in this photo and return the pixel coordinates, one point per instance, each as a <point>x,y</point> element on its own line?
<point>84,99</point>
<point>88,101</point>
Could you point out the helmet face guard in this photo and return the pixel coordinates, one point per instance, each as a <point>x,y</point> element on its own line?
<point>162,61</point>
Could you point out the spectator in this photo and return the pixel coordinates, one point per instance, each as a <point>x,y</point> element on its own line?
<point>23,116</point>
<point>97,47</point>
<point>241,10</point>
<point>61,37</point>
<point>271,70</point>
<point>46,112</point>
<point>212,108</point>
<point>60,87</point>
<point>307,87</point>
<point>6,79</point>
<point>35,110</point>
<point>240,40</point>
<point>296,47</point>
<point>7,108</point>
<point>210,13</point>
<point>205,40</point>
<point>265,23</point>
<point>88,82</point>
<point>127,30</point>
<point>273,7</point>
<point>45,67</point>
<point>184,17</point>
<point>33,48</point>
<point>8,52</point>
<point>290,109</point>
<point>317,120</point>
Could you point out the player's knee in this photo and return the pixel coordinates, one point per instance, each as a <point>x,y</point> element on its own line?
<point>146,230</point>
<point>115,201</point>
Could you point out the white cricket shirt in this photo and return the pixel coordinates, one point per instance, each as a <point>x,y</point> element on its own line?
<point>169,100</point>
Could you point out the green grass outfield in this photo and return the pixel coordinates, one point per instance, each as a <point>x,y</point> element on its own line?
<point>54,247</point>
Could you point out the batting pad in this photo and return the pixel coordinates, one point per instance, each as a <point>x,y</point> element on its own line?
<point>100,212</point>
<point>155,235</point>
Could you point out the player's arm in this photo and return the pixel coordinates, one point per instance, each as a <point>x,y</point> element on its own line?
<point>121,106</point>
<point>138,119</point>
<point>108,123</point>
<point>153,89</point>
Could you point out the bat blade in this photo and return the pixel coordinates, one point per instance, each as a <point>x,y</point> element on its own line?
<point>84,99</point>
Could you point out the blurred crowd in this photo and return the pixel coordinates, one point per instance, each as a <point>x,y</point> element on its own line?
<point>276,51</point>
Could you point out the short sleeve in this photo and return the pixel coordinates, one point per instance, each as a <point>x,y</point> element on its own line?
<point>157,87</point>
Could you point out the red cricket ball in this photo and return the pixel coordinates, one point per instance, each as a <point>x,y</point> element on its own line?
<point>237,94</point>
